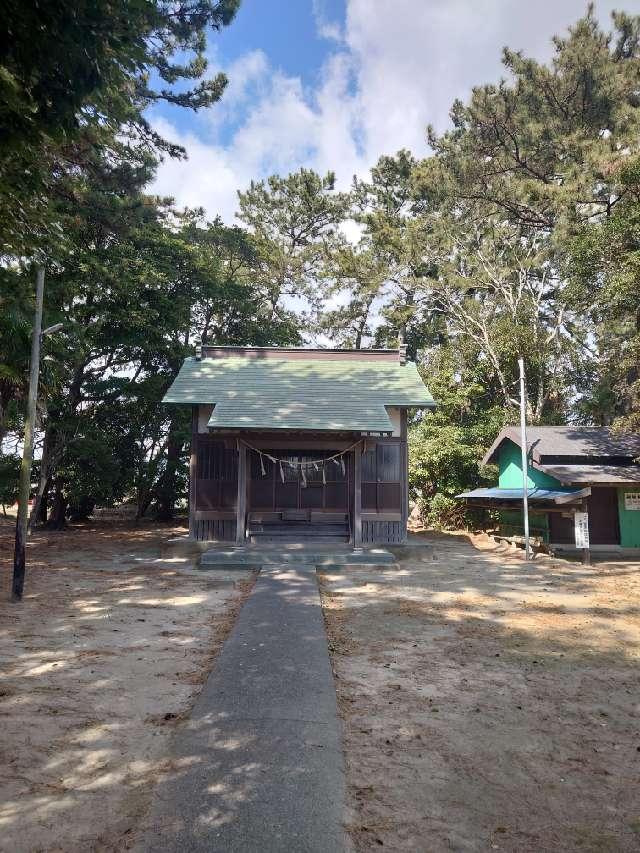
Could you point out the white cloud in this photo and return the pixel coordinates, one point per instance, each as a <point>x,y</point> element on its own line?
<point>209,178</point>
<point>282,128</point>
<point>326,28</point>
<point>394,69</point>
<point>248,82</point>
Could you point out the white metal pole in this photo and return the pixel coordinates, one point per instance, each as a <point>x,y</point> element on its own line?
<point>525,459</point>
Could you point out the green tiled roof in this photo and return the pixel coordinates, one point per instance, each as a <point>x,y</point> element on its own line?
<point>270,393</point>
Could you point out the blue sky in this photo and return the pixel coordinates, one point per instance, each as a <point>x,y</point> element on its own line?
<point>334,84</point>
<point>287,30</point>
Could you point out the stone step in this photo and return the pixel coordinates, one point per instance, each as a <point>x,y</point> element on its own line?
<point>267,539</point>
<point>298,528</point>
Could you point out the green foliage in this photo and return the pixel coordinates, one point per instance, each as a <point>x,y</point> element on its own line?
<point>125,274</point>
<point>604,266</point>
<point>446,447</point>
<point>293,223</point>
<point>67,64</point>
<point>75,80</point>
<point>361,274</point>
<point>528,215</point>
<point>134,295</point>
<point>15,305</point>
<point>519,236</point>
<point>9,473</point>
<point>530,200</point>
<point>388,210</point>
<point>539,148</point>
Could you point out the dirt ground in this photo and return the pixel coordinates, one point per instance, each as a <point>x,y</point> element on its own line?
<point>105,653</point>
<point>489,704</point>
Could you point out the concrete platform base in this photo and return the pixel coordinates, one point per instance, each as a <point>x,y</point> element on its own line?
<point>317,556</point>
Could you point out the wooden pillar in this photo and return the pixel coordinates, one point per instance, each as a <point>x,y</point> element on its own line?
<point>357,497</point>
<point>241,503</point>
<point>193,471</point>
<point>404,473</point>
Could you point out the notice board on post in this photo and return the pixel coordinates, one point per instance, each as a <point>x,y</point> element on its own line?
<point>632,501</point>
<point>581,529</point>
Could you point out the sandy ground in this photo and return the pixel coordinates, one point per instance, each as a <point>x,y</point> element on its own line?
<point>489,704</point>
<point>99,661</point>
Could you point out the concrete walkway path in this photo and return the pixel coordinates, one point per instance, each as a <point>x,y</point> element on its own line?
<point>258,766</point>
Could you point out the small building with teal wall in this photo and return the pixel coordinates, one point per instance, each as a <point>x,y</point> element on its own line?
<point>570,470</point>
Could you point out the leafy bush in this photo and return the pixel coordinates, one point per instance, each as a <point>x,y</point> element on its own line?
<point>9,475</point>
<point>447,445</point>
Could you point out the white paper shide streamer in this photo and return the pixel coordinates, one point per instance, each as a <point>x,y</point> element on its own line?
<point>302,465</point>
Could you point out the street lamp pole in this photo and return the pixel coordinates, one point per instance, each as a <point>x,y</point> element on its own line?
<point>525,459</point>
<point>27,450</point>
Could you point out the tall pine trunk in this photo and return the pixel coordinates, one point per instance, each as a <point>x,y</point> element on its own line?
<point>58,515</point>
<point>167,487</point>
<point>39,511</point>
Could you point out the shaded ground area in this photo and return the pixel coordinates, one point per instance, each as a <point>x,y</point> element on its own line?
<point>488,704</point>
<point>106,652</point>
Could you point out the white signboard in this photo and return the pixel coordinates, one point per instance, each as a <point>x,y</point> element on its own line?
<point>632,500</point>
<point>582,529</point>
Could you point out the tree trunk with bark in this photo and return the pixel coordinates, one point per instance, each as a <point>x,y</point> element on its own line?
<point>58,515</point>
<point>167,487</point>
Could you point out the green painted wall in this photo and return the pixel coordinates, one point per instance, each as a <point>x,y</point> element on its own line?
<point>510,464</point>
<point>511,523</point>
<point>629,521</point>
<point>510,477</point>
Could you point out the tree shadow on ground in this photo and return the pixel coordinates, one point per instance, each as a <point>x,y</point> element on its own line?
<point>488,703</point>
<point>98,667</point>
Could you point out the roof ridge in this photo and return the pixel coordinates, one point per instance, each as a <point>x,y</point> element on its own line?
<point>293,353</point>
<point>297,349</point>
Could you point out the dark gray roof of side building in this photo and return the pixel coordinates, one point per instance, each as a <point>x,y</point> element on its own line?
<point>557,441</point>
<point>602,475</point>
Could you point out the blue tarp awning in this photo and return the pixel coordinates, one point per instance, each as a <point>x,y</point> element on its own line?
<point>555,495</point>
